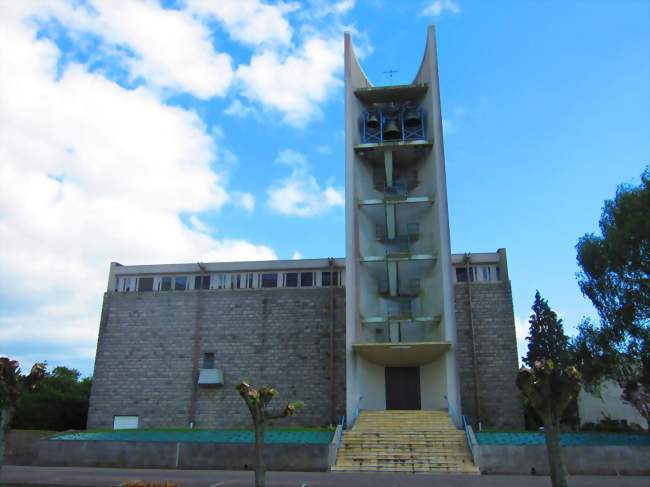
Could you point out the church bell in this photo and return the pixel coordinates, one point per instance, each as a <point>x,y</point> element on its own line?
<point>391,129</point>
<point>372,121</point>
<point>412,118</point>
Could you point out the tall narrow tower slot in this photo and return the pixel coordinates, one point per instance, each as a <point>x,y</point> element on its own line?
<point>401,332</point>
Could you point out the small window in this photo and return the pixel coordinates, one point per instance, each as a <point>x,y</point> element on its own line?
<point>208,360</point>
<point>306,279</point>
<point>269,279</point>
<point>125,422</point>
<point>202,282</point>
<point>249,280</point>
<point>291,279</point>
<point>117,284</point>
<point>128,284</point>
<point>145,284</point>
<point>487,273</point>
<point>221,281</point>
<point>326,280</point>
<point>461,274</point>
<point>180,283</point>
<point>235,281</point>
<point>498,273</point>
<point>166,284</point>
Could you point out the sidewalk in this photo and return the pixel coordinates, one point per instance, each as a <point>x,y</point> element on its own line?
<point>105,477</point>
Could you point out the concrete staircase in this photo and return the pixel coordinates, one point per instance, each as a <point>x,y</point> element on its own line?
<point>404,441</point>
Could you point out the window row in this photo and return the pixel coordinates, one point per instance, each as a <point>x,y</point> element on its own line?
<point>479,273</point>
<point>247,280</point>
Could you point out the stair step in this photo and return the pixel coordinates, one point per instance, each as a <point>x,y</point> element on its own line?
<point>396,461</point>
<point>404,441</point>
<point>473,470</point>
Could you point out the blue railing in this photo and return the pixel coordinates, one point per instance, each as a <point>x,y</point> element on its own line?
<point>406,123</point>
<point>357,408</point>
<point>340,436</point>
<point>468,437</point>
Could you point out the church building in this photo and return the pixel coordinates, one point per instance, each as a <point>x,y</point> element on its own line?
<point>400,323</point>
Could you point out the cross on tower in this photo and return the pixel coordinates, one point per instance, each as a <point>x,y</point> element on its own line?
<point>390,73</point>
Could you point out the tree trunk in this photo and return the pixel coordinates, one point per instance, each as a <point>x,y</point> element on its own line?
<point>5,421</point>
<point>555,462</point>
<point>260,469</point>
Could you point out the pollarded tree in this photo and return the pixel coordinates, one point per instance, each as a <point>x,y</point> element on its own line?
<point>12,385</point>
<point>615,276</point>
<point>551,382</point>
<point>257,401</point>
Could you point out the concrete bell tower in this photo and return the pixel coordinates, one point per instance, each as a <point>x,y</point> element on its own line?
<point>401,332</point>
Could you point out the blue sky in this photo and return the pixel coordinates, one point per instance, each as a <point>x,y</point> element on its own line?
<point>147,132</point>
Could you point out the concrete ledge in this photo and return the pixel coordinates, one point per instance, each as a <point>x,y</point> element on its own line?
<point>579,460</point>
<point>187,455</point>
<point>20,445</point>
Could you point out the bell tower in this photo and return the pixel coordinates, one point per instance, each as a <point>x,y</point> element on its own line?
<point>401,332</point>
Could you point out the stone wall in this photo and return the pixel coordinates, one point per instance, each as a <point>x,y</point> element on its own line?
<point>496,345</point>
<point>186,455</point>
<point>278,337</point>
<point>20,444</point>
<point>578,460</point>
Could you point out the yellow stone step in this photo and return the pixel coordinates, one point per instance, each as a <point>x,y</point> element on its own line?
<point>404,441</point>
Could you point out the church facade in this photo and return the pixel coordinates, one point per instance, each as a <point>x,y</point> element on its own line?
<point>399,323</point>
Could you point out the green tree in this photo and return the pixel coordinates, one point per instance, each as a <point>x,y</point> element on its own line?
<point>60,403</point>
<point>546,338</point>
<point>615,276</point>
<point>257,401</point>
<point>12,386</point>
<point>550,382</point>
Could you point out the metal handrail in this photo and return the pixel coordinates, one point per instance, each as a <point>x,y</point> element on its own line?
<point>340,437</point>
<point>355,413</point>
<point>467,435</point>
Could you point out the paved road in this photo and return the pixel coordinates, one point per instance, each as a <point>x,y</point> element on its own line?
<point>105,477</point>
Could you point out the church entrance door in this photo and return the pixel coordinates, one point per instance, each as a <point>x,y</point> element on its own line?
<point>403,388</point>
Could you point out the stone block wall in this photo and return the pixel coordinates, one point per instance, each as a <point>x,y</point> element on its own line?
<point>496,346</point>
<point>280,337</point>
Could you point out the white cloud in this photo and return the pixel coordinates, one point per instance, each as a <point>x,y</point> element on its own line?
<point>334,197</point>
<point>438,7</point>
<point>343,6</point>
<point>297,83</point>
<point>172,49</point>
<point>239,110</point>
<point>296,255</point>
<point>300,194</point>
<point>200,226</point>
<point>322,8</point>
<point>250,21</point>
<point>91,172</point>
<point>244,200</point>
<point>324,149</point>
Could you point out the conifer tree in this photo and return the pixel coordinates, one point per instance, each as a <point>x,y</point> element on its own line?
<point>546,338</point>
<point>551,382</point>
